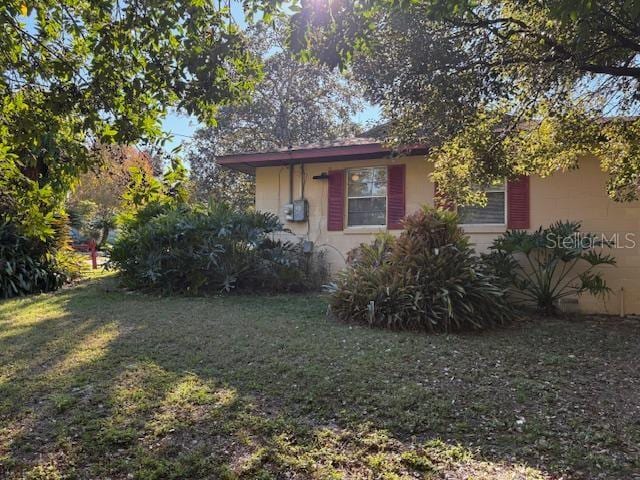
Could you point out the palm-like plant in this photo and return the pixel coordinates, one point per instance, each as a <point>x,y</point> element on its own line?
<point>550,264</point>
<point>103,223</point>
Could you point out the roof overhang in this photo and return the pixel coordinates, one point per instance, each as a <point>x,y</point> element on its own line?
<point>248,162</point>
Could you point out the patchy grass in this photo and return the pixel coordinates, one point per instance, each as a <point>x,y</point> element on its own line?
<point>100,383</point>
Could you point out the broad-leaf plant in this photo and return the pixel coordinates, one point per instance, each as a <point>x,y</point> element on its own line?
<point>551,264</point>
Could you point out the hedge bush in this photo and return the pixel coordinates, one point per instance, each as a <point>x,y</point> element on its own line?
<point>193,249</point>
<point>30,265</point>
<point>427,279</point>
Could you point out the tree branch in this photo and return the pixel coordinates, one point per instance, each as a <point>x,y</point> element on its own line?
<point>617,71</point>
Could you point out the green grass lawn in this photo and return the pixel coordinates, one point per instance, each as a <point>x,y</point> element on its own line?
<point>99,383</point>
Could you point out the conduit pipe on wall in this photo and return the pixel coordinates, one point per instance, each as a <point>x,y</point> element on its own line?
<point>290,181</point>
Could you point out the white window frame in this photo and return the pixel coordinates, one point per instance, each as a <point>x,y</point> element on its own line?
<point>502,188</point>
<point>348,197</point>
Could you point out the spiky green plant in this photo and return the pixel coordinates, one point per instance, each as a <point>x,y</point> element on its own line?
<point>427,279</point>
<point>373,254</point>
<point>550,264</point>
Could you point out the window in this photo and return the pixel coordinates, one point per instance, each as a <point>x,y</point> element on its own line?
<point>367,196</point>
<point>493,213</point>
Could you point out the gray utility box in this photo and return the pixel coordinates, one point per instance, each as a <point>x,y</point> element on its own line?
<point>298,211</point>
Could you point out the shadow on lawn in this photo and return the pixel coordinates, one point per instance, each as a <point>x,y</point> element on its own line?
<point>98,383</point>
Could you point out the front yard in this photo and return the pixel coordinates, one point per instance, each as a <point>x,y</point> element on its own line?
<point>96,382</point>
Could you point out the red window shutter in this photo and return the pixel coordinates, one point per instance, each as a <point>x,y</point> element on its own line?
<point>518,203</point>
<point>395,196</point>
<point>335,210</point>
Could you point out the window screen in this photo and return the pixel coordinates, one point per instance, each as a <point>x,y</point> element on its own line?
<point>492,213</point>
<point>367,196</point>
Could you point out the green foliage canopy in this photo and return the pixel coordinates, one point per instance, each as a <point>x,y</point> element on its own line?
<point>76,72</point>
<point>498,87</point>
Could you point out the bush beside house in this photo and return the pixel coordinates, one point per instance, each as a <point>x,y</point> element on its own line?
<point>195,249</point>
<point>427,279</point>
<point>548,265</point>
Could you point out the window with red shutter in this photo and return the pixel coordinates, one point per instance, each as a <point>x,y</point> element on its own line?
<point>518,203</point>
<point>396,179</point>
<point>492,213</point>
<point>367,196</point>
<point>375,197</point>
<point>336,196</point>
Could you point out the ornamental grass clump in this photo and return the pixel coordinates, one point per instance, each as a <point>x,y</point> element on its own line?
<point>427,279</point>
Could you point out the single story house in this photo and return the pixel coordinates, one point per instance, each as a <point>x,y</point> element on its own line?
<point>340,194</point>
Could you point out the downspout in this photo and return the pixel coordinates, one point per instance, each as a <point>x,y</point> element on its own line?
<point>290,181</point>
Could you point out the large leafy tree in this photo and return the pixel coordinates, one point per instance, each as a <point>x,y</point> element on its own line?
<point>73,73</point>
<point>497,87</point>
<point>296,102</point>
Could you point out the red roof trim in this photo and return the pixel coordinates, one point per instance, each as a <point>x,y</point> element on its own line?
<point>302,154</point>
<point>345,152</point>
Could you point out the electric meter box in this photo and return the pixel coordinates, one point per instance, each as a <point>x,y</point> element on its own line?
<point>297,211</point>
<point>300,210</point>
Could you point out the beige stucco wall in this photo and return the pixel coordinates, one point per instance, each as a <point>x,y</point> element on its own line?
<point>576,195</point>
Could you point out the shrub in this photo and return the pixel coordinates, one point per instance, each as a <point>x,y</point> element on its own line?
<point>374,254</point>
<point>197,249</point>
<point>73,265</point>
<point>427,279</point>
<point>550,264</point>
<point>26,265</point>
<point>70,263</point>
<point>30,265</point>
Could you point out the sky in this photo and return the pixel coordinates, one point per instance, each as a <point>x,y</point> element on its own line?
<point>182,127</point>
